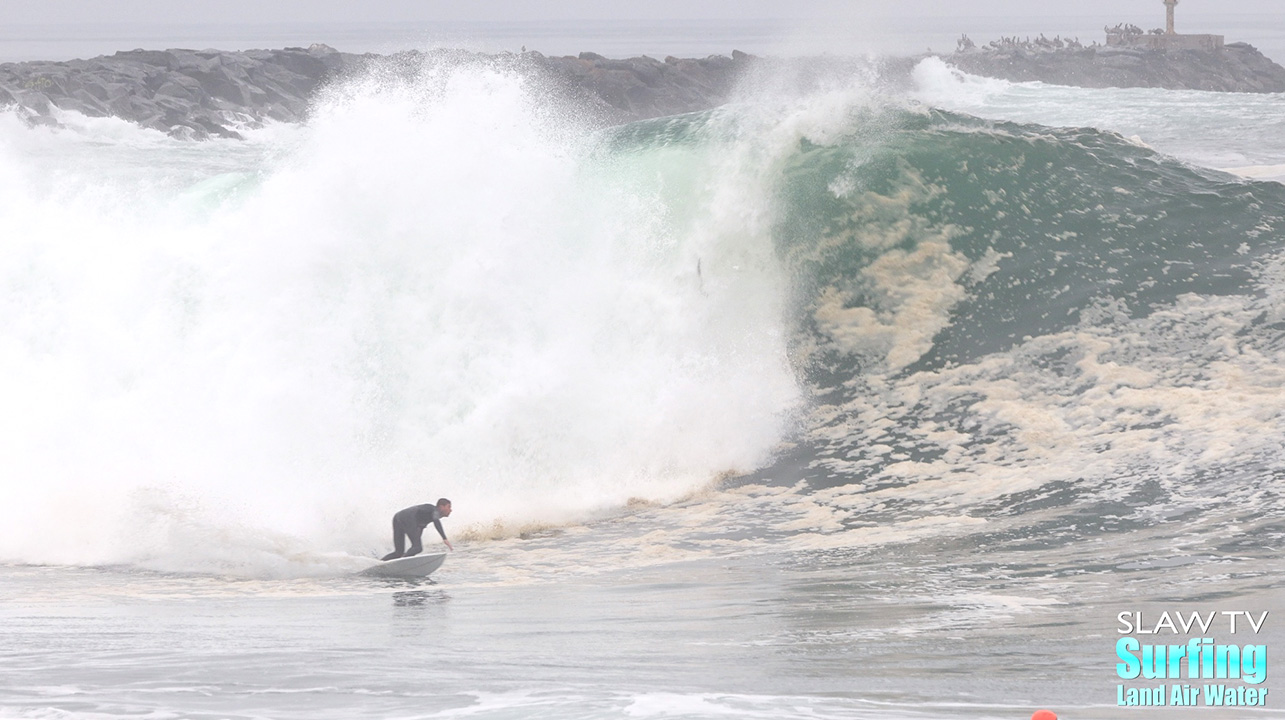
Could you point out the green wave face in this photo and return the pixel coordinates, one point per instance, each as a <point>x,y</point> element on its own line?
<point>1070,219</point>
<point>995,318</point>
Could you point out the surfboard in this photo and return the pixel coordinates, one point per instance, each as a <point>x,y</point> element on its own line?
<point>415,566</point>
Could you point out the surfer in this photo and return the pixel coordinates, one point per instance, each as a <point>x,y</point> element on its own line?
<point>410,523</point>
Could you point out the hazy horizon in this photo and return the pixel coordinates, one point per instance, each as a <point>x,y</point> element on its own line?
<point>252,11</point>
<point>82,28</point>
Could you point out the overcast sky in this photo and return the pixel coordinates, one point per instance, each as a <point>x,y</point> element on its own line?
<point>249,11</point>
<point>65,29</point>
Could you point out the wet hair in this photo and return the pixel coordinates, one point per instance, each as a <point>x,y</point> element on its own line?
<point>443,501</point>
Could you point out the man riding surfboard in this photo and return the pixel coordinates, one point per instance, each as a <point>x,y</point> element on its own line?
<point>410,524</point>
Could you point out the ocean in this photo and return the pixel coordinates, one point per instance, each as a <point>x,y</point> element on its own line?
<point>833,402</point>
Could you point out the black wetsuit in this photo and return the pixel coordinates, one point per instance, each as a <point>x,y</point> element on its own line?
<point>410,523</point>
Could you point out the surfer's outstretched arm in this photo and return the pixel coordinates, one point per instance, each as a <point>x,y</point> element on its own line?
<point>438,524</point>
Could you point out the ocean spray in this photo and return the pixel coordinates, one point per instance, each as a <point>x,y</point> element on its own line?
<point>239,355</point>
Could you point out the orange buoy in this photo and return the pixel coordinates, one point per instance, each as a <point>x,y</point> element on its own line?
<point>1044,715</point>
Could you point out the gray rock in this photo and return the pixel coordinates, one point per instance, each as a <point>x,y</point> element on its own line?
<point>202,93</point>
<point>186,93</point>
<point>1237,67</point>
<point>208,93</point>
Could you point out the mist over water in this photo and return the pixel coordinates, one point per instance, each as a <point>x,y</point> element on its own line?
<point>440,289</point>
<point>242,356</point>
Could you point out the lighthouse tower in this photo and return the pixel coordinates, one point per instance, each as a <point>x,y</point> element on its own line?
<point>1132,36</point>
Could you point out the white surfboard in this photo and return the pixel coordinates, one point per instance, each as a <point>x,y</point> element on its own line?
<point>416,566</point>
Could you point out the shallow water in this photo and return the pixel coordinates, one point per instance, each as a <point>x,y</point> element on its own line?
<point>592,624</point>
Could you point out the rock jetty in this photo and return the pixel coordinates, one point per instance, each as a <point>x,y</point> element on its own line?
<point>209,93</point>
<point>199,94</point>
<point>1235,67</point>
